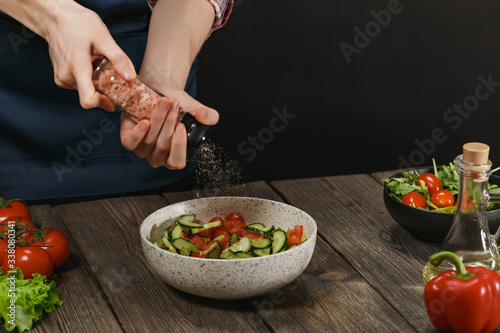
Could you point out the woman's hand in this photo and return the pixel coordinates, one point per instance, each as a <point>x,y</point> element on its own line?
<point>77,37</point>
<point>163,140</point>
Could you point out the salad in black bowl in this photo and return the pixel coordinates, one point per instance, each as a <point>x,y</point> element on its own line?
<point>423,201</point>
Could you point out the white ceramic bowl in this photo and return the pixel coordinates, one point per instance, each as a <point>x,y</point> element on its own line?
<point>229,279</point>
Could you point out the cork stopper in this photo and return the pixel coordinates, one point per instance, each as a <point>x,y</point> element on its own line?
<point>475,152</point>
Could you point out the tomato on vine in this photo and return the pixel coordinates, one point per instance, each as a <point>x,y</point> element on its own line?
<point>13,207</point>
<point>20,225</point>
<point>30,260</point>
<point>55,243</point>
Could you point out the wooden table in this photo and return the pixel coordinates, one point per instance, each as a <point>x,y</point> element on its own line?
<point>365,274</point>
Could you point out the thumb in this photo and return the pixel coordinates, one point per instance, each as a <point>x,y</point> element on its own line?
<point>206,115</point>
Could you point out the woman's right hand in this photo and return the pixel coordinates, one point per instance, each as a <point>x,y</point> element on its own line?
<point>76,37</point>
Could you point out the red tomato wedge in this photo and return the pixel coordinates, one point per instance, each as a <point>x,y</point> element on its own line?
<point>198,254</point>
<point>233,225</point>
<point>293,240</point>
<point>235,216</point>
<point>197,239</point>
<point>224,242</point>
<point>248,233</point>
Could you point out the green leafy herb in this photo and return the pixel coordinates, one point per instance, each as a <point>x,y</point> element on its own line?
<point>23,302</point>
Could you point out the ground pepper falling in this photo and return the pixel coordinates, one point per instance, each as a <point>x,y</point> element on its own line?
<point>215,171</point>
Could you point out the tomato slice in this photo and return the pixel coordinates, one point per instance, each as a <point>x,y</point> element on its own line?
<point>247,233</point>
<point>197,239</point>
<point>234,225</point>
<point>293,240</point>
<point>224,242</point>
<point>234,216</point>
<point>198,254</point>
<point>297,230</point>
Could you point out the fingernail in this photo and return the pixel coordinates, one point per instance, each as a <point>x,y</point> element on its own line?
<point>143,126</point>
<point>129,73</point>
<point>164,104</point>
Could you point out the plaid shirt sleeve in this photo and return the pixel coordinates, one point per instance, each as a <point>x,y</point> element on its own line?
<point>222,10</point>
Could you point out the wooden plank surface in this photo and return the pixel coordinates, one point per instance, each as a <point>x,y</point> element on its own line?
<point>84,308</point>
<point>351,216</point>
<point>328,297</point>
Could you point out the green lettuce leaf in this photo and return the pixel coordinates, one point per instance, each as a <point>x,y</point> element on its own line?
<point>32,298</point>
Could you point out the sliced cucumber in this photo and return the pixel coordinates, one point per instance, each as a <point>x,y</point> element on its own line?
<point>261,243</point>
<point>261,229</point>
<point>204,227</point>
<point>233,239</point>
<point>215,252</point>
<point>245,255</point>
<point>228,254</point>
<point>303,238</point>
<point>187,221</point>
<point>184,246</point>
<point>243,245</point>
<point>291,247</point>
<point>175,233</point>
<point>167,245</point>
<point>262,252</point>
<point>279,241</point>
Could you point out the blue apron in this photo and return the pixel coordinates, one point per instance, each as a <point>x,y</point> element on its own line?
<point>51,148</point>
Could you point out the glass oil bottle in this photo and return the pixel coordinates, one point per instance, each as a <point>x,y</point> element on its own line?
<point>469,236</point>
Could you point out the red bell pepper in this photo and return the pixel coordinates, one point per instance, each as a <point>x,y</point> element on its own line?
<point>466,300</point>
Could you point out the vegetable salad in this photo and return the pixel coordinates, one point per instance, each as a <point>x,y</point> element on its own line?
<point>228,238</point>
<point>436,191</point>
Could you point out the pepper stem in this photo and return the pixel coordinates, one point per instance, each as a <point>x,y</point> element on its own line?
<point>437,258</point>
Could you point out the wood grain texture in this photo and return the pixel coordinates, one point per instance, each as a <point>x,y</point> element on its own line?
<point>108,237</point>
<point>351,216</point>
<point>84,308</point>
<point>328,296</point>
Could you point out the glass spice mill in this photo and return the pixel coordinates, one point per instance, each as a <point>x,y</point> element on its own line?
<point>469,236</point>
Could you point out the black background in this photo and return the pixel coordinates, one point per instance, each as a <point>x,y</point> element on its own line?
<point>352,117</point>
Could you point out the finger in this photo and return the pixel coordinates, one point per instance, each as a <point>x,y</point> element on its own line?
<point>157,121</point>
<point>177,157</point>
<point>163,141</point>
<point>82,72</point>
<point>132,138</point>
<point>206,115</point>
<point>121,62</point>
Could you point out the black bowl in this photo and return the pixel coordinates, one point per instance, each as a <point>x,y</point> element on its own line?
<point>428,225</point>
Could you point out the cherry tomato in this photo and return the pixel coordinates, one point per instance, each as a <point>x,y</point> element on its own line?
<point>30,260</point>
<point>233,225</point>
<point>56,244</point>
<point>21,226</point>
<point>414,199</point>
<point>13,207</point>
<point>234,216</point>
<point>443,198</point>
<point>431,181</point>
<point>4,242</point>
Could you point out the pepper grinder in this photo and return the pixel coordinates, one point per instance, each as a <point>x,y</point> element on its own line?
<point>469,236</point>
<point>137,99</point>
